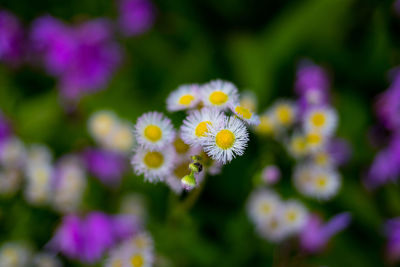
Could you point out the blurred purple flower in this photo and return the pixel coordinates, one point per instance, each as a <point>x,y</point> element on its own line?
<point>107,166</point>
<point>316,234</point>
<point>136,16</point>
<point>312,85</point>
<point>83,58</point>
<point>392,232</point>
<point>340,151</point>
<point>386,165</point>
<point>388,106</point>
<point>11,38</point>
<point>271,174</point>
<point>88,239</point>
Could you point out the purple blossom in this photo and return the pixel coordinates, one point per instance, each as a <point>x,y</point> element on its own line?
<point>312,86</point>
<point>88,239</point>
<point>83,58</point>
<point>340,151</point>
<point>136,16</point>
<point>386,165</point>
<point>316,234</point>
<point>392,232</point>
<point>11,38</point>
<point>271,174</point>
<point>107,166</point>
<point>388,106</point>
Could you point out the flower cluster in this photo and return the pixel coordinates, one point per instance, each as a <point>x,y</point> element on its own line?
<point>88,239</point>
<point>215,131</point>
<point>306,127</point>
<point>18,254</point>
<point>276,220</point>
<point>386,165</point>
<point>83,57</point>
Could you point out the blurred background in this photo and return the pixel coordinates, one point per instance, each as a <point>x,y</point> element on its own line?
<point>255,44</point>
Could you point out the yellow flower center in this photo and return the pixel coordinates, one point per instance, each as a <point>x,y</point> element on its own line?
<point>266,126</point>
<point>153,133</point>
<point>314,138</point>
<point>291,216</point>
<point>137,260</point>
<point>318,119</point>
<point>218,98</point>
<point>265,208</point>
<point>225,139</point>
<point>284,114</point>
<point>153,159</point>
<point>244,112</point>
<point>180,146</point>
<point>186,100</point>
<point>321,159</point>
<point>201,129</point>
<point>299,144</point>
<point>321,181</point>
<point>182,169</point>
<point>103,124</point>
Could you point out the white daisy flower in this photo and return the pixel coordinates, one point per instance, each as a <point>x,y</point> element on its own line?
<point>185,97</point>
<point>183,150</point>
<point>245,114</point>
<point>322,159</point>
<point>293,216</point>
<point>196,126</point>
<point>39,153</point>
<point>325,183</point>
<point>272,229</point>
<point>284,113</point>
<point>297,145</point>
<point>227,140</point>
<point>321,119</point>
<point>14,254</point>
<point>12,153</point>
<point>154,131</point>
<point>39,177</point>
<point>121,138</point>
<point>101,124</point>
<point>302,178</point>
<point>155,165</point>
<point>143,241</point>
<point>69,185</point>
<point>263,205</point>
<point>219,94</point>
<point>248,100</point>
<point>136,258</point>
<point>316,141</point>
<point>268,125</point>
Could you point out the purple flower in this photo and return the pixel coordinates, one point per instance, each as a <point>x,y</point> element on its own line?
<point>386,165</point>
<point>83,58</point>
<point>340,151</point>
<point>392,232</point>
<point>136,16</point>
<point>88,239</point>
<point>388,106</point>
<point>271,174</point>
<point>11,38</point>
<point>316,234</point>
<point>108,166</point>
<point>312,86</point>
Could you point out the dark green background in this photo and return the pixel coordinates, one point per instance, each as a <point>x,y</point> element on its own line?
<point>256,45</point>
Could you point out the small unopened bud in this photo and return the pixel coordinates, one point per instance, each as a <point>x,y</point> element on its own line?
<point>188,182</point>
<point>196,167</point>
